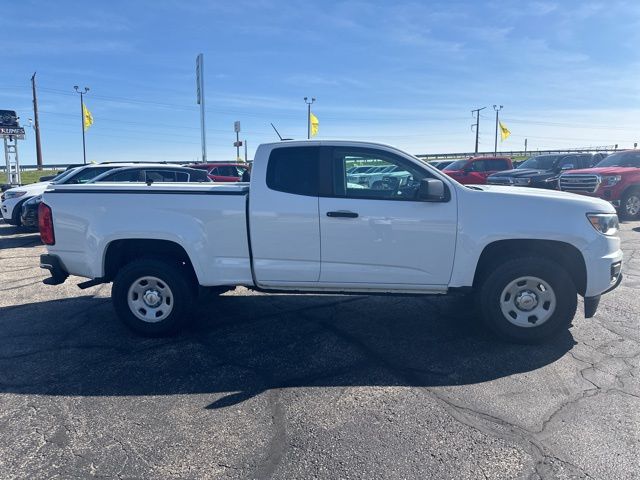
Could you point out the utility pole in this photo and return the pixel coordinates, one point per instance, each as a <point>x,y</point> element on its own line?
<point>82,94</point>
<point>477,124</point>
<point>497,109</point>
<point>525,146</point>
<point>245,150</point>
<point>36,122</point>
<point>309,115</point>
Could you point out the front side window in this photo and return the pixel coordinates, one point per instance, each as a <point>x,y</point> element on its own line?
<point>457,165</point>
<point>86,174</point>
<point>294,170</point>
<point>478,166</point>
<point>392,178</point>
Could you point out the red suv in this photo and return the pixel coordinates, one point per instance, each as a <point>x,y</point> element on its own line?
<point>475,170</point>
<point>616,179</point>
<point>225,172</point>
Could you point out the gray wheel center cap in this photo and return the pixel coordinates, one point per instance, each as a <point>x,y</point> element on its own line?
<point>526,300</point>
<point>152,298</point>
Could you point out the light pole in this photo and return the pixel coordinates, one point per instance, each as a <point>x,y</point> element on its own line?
<point>495,147</point>
<point>309,115</point>
<point>82,94</point>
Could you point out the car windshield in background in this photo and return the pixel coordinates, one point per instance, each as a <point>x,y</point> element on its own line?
<point>541,162</point>
<point>457,165</point>
<point>64,175</point>
<point>621,159</point>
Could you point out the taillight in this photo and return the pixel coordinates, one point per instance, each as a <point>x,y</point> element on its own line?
<point>45,224</point>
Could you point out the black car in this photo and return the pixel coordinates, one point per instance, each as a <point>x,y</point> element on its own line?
<point>542,171</point>
<point>149,174</point>
<point>29,212</point>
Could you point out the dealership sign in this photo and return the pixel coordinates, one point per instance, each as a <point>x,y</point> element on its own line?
<point>17,132</point>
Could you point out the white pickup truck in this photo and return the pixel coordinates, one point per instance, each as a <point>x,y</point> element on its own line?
<point>300,226</point>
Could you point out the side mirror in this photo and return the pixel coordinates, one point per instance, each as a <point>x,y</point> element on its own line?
<point>467,170</point>
<point>431,190</point>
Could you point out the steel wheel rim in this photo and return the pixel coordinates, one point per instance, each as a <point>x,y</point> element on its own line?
<point>150,299</point>
<point>632,206</point>
<point>528,302</point>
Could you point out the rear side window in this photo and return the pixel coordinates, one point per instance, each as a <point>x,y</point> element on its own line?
<point>294,170</point>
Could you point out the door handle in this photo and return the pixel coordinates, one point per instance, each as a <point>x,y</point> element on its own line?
<point>342,214</point>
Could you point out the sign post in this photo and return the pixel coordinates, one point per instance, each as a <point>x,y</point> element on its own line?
<point>11,132</point>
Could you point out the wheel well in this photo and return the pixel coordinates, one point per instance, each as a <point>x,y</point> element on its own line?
<point>559,252</point>
<point>630,188</point>
<point>121,252</point>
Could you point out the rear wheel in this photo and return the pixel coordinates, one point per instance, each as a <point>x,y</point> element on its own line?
<point>527,300</point>
<point>630,204</point>
<point>153,297</point>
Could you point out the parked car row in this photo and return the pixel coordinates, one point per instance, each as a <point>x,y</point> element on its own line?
<point>20,204</point>
<point>615,177</point>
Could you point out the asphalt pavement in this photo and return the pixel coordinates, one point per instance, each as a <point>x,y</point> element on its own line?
<point>310,386</point>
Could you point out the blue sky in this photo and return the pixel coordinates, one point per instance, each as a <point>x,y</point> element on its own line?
<point>405,73</point>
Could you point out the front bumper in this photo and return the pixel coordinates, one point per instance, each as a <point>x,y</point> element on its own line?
<point>591,303</point>
<point>58,273</point>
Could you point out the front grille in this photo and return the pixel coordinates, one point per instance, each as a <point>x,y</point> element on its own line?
<point>579,183</point>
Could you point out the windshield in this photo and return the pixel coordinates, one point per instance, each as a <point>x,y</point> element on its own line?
<point>541,162</point>
<point>621,159</point>
<point>457,165</point>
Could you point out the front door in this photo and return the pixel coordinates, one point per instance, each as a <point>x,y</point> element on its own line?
<point>379,235</point>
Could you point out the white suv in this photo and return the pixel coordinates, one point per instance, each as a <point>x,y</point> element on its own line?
<point>13,198</point>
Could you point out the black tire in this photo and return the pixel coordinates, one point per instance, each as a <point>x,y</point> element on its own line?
<point>180,287</point>
<point>488,298</point>
<point>629,201</point>
<point>15,215</point>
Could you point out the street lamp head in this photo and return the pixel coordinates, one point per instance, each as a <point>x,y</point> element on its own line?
<point>76,87</point>
<point>305,99</point>
<point>313,99</point>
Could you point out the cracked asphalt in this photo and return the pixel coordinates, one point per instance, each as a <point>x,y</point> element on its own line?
<point>310,386</point>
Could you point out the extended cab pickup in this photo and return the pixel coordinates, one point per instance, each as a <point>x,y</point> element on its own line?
<point>615,179</point>
<point>301,226</point>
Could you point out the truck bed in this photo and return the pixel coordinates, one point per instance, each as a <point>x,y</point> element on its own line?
<point>90,217</point>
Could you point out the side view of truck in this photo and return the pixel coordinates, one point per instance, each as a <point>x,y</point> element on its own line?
<point>300,226</point>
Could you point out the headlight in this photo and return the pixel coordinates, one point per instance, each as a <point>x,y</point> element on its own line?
<point>551,179</point>
<point>605,223</point>
<point>611,180</point>
<point>16,194</point>
<point>521,181</point>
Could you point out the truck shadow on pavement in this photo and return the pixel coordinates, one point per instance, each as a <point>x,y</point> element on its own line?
<point>13,237</point>
<point>243,345</point>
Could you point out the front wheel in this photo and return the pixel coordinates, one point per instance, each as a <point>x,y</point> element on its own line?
<point>630,205</point>
<point>152,297</point>
<point>527,299</point>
